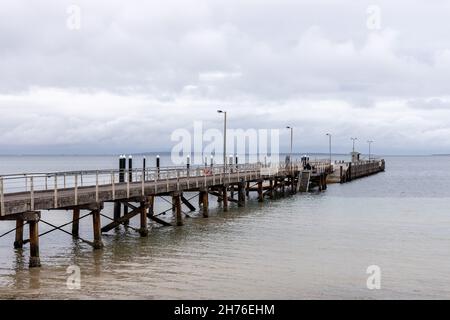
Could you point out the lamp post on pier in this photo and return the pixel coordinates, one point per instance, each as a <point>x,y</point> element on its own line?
<point>292,140</point>
<point>370,143</point>
<point>353,139</point>
<point>224,138</point>
<point>329,144</point>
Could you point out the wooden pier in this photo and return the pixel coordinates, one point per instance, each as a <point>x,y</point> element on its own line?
<point>133,192</point>
<point>347,171</point>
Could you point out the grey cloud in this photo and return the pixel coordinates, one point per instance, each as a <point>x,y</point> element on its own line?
<point>139,69</point>
<point>429,104</point>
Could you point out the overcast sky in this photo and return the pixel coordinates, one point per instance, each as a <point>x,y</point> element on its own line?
<point>131,72</point>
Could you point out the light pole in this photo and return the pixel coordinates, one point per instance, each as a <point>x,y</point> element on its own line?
<point>370,143</point>
<point>224,138</point>
<point>329,144</point>
<point>353,139</point>
<point>292,140</point>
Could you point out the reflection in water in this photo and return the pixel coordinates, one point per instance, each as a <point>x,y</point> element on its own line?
<point>304,246</point>
<point>35,278</point>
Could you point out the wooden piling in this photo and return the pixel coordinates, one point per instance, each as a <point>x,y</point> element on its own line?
<point>35,260</point>
<point>97,244</point>
<point>151,205</point>
<point>200,199</point>
<point>143,231</point>
<point>260,191</point>
<point>176,202</point>
<point>225,197</point>
<point>117,209</point>
<point>205,202</point>
<point>271,186</point>
<point>76,223</point>
<point>247,190</point>
<point>241,194</point>
<point>292,184</point>
<point>18,243</point>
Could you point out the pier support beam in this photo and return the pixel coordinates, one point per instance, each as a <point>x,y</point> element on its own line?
<point>205,202</point>
<point>247,190</point>
<point>76,223</point>
<point>187,203</point>
<point>126,222</point>
<point>260,191</point>
<point>271,195</point>
<point>275,188</point>
<point>117,210</point>
<point>97,244</point>
<point>293,189</point>
<point>225,197</point>
<point>35,260</point>
<point>151,205</point>
<point>241,194</point>
<point>18,243</point>
<point>176,203</point>
<point>143,230</point>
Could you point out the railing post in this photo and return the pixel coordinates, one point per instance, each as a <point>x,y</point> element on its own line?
<point>113,185</point>
<point>167,180</point>
<point>2,199</point>
<point>31,193</point>
<point>128,183</point>
<point>56,191</point>
<point>96,186</point>
<point>143,181</point>
<point>76,189</point>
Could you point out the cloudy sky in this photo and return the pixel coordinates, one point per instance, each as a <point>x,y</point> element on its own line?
<point>120,76</point>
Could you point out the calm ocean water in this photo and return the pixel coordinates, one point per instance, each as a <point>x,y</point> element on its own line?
<point>305,246</point>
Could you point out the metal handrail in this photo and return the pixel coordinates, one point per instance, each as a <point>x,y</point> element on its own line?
<point>57,181</point>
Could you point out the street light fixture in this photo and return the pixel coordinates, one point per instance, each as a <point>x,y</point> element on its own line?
<point>292,140</point>
<point>224,138</point>
<point>353,139</point>
<point>329,144</point>
<point>370,143</point>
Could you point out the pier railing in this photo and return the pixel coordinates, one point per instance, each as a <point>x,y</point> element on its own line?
<point>353,170</point>
<point>61,181</point>
<point>26,182</point>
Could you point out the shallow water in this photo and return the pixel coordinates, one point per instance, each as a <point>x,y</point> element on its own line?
<point>305,246</point>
